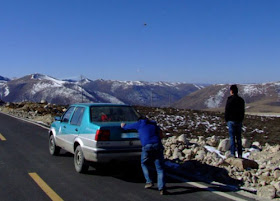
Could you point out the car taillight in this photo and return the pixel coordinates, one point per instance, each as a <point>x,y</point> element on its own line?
<point>102,135</point>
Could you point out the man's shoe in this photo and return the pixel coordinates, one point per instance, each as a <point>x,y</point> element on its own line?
<point>163,192</point>
<point>149,185</point>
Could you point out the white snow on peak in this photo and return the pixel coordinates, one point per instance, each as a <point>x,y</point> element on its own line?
<point>216,100</point>
<point>85,81</point>
<point>45,77</point>
<point>253,89</point>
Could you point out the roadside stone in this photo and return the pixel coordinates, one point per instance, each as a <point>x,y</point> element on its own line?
<point>200,155</point>
<point>168,152</point>
<point>242,164</point>
<point>256,145</point>
<point>213,141</point>
<point>224,145</point>
<point>276,174</point>
<point>275,149</point>
<point>43,102</point>
<point>175,154</point>
<point>246,143</point>
<point>188,154</point>
<point>277,185</point>
<point>268,192</point>
<point>183,138</point>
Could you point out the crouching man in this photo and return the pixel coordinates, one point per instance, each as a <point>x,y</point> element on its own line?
<point>152,150</point>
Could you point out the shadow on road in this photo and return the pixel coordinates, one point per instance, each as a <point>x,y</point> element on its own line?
<point>196,170</point>
<point>190,170</point>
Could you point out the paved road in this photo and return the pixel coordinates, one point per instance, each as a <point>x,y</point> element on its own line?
<point>25,160</point>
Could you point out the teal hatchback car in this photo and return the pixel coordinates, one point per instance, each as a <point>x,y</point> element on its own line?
<point>92,133</point>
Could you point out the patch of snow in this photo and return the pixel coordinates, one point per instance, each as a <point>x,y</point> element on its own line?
<point>109,98</point>
<point>253,90</point>
<point>199,87</point>
<point>257,131</point>
<point>216,100</point>
<point>115,86</point>
<point>7,91</point>
<point>213,149</point>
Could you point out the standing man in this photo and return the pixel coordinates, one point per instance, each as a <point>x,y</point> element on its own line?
<point>152,150</point>
<point>234,115</point>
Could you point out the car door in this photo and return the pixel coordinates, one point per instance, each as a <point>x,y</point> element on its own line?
<point>69,128</point>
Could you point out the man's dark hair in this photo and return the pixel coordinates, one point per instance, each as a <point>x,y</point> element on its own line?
<point>234,89</point>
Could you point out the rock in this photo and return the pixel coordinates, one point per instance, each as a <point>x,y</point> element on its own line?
<point>277,194</point>
<point>242,164</point>
<point>265,179</point>
<point>275,149</point>
<point>228,154</point>
<point>173,146</point>
<point>256,144</point>
<point>276,174</point>
<point>224,145</point>
<point>268,192</point>
<point>213,141</point>
<point>277,185</point>
<point>175,154</point>
<point>201,139</point>
<point>200,155</point>
<point>183,138</point>
<point>168,152</point>
<point>246,143</point>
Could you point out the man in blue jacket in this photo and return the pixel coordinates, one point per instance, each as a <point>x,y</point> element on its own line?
<point>152,150</point>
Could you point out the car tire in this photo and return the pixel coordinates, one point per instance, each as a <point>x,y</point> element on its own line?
<point>81,165</point>
<point>54,150</point>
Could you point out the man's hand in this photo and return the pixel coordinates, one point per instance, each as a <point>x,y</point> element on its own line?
<point>122,125</point>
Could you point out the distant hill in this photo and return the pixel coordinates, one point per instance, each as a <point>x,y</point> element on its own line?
<point>37,87</point>
<point>259,98</point>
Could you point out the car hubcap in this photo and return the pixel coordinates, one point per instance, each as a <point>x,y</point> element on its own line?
<point>79,158</point>
<point>51,144</point>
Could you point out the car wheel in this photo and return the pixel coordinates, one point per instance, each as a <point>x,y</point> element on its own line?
<point>54,150</point>
<point>80,162</point>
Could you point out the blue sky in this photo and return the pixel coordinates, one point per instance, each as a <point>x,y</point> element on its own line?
<point>198,41</point>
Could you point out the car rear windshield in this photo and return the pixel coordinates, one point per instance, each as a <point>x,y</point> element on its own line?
<point>113,114</point>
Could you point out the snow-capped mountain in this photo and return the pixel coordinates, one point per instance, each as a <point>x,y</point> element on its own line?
<point>37,87</point>
<point>4,79</point>
<point>258,97</point>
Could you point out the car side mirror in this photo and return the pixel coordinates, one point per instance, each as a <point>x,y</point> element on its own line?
<point>57,118</point>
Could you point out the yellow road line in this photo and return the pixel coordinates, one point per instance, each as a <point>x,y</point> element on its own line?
<point>2,137</point>
<point>45,187</point>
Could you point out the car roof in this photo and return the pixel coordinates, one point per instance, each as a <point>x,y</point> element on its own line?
<point>98,104</point>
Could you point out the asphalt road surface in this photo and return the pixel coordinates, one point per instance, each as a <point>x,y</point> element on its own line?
<point>29,172</point>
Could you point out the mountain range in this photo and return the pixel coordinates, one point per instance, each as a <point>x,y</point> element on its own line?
<point>37,87</point>
<point>259,98</point>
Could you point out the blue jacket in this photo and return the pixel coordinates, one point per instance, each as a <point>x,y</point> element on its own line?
<point>149,132</point>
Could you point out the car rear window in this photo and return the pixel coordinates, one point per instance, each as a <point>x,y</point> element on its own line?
<point>113,114</point>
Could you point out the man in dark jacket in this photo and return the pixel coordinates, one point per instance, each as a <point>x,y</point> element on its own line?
<point>152,150</point>
<point>234,115</point>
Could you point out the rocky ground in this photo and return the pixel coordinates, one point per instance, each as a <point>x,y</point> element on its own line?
<point>198,142</point>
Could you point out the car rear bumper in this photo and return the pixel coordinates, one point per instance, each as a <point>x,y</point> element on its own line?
<point>107,155</point>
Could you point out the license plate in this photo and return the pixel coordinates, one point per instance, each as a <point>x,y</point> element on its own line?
<point>130,135</point>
